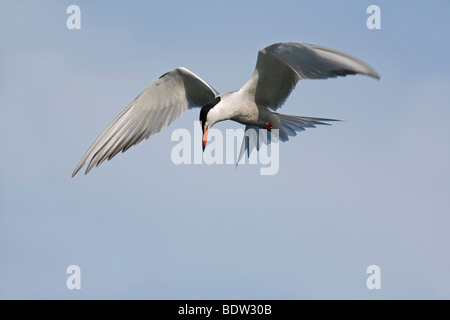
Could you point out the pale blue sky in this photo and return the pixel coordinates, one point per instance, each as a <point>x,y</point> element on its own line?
<point>373,189</point>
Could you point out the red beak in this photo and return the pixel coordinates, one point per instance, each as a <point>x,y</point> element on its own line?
<point>205,137</point>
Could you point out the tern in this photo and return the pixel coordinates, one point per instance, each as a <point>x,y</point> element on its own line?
<point>278,69</point>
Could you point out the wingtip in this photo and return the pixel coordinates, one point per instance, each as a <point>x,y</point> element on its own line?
<point>74,173</point>
<point>77,169</point>
<point>372,73</point>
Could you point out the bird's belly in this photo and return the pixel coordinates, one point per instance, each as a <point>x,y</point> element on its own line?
<point>245,119</point>
<point>251,117</point>
<point>248,114</point>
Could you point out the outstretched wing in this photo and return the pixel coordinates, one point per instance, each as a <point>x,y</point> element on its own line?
<point>154,109</point>
<point>280,66</point>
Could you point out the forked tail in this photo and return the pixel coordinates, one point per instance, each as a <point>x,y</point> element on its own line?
<point>290,125</point>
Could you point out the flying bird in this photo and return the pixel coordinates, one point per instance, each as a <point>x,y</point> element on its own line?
<point>278,69</point>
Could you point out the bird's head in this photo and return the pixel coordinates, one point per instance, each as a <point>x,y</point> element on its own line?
<point>208,119</point>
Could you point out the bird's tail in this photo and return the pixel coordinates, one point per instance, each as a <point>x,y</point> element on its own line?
<point>287,125</point>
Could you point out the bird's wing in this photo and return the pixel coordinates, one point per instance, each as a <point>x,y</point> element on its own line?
<point>280,66</point>
<point>154,109</point>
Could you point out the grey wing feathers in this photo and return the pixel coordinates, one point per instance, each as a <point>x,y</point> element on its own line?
<point>280,66</point>
<point>154,109</point>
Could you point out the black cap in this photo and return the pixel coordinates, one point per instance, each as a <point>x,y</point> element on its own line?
<point>205,110</point>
